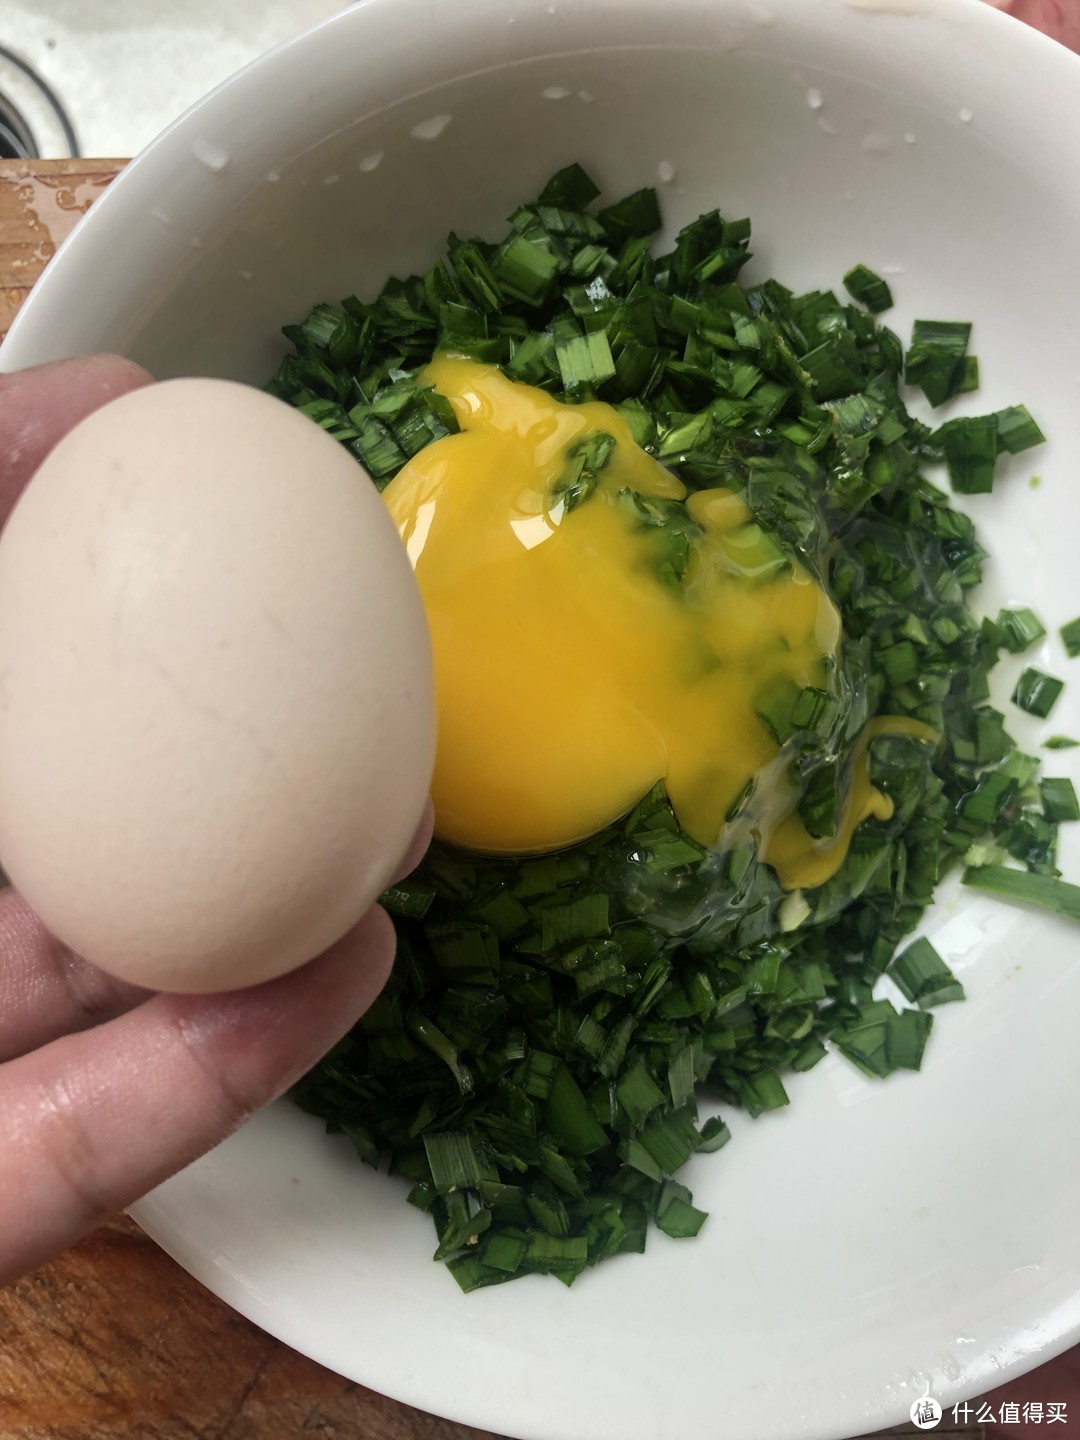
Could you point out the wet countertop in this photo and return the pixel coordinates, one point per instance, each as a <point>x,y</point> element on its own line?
<point>113,1339</point>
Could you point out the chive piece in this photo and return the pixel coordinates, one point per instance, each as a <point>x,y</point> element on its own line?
<point>1019,629</point>
<point>1045,891</point>
<point>1059,800</point>
<point>525,269</point>
<point>440,1045</point>
<point>985,803</point>
<point>906,1035</point>
<point>832,370</point>
<point>815,710</point>
<point>935,361</point>
<point>408,898</point>
<point>502,1251</point>
<point>579,919</point>
<point>455,1163</point>
<point>569,189</point>
<point>471,1274</point>
<point>584,461</point>
<point>677,1217</point>
<point>868,289</point>
<point>762,1091</point>
<point>584,360</point>
<point>808,1054</point>
<point>714,1135</point>
<point>923,976</point>
<point>569,1118</point>
<point>671,1139</point>
<point>637,215</point>
<point>1070,635</point>
<point>639,1094</point>
<point>970,448</point>
<point>1017,430</point>
<point>969,380</point>
<point>1037,692</point>
<point>1060,742</point>
<point>863,1040</point>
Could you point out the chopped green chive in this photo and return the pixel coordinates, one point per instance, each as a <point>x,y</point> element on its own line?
<point>674,1213</point>
<point>584,462</point>
<point>935,361</point>
<point>1017,430</point>
<point>906,1036</point>
<point>970,449</point>
<point>1037,692</point>
<point>533,1067</point>
<point>969,381</point>
<point>924,977</point>
<point>1045,891</point>
<point>584,361</point>
<point>569,189</point>
<point>1059,800</point>
<point>1070,634</point>
<point>455,1163</point>
<point>1019,629</point>
<point>869,289</point>
<point>637,215</point>
<point>524,268</point>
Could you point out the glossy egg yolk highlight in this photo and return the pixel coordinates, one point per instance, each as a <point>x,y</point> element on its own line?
<point>584,651</point>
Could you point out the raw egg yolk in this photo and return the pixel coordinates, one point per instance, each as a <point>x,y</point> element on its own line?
<point>584,651</point>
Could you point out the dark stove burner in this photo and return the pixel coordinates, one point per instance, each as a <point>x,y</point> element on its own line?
<point>16,137</point>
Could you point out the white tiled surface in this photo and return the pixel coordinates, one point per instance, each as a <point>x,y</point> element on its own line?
<point>125,68</point>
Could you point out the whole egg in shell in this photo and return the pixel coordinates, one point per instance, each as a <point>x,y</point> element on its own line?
<point>216,714</point>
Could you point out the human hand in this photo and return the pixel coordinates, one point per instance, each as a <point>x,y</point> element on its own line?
<point>107,1089</point>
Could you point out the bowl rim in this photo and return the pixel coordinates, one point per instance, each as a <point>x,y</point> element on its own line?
<point>126,203</point>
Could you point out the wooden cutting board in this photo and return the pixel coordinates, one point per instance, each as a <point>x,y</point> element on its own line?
<point>113,1339</point>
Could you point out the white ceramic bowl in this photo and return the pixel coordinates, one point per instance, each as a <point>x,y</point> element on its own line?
<point>875,1240</point>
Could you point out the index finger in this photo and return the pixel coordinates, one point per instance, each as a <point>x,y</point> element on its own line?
<point>40,405</point>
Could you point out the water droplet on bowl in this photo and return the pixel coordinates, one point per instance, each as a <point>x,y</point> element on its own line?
<point>967,115</point>
<point>273,176</point>
<point>827,127</point>
<point>331,179</point>
<point>586,97</point>
<point>555,92</point>
<point>815,99</point>
<point>876,144</point>
<point>430,129</point>
<point>909,137</point>
<point>666,171</point>
<point>212,156</point>
<point>371,162</point>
